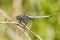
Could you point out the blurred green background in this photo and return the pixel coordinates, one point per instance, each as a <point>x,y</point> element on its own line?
<point>47,28</point>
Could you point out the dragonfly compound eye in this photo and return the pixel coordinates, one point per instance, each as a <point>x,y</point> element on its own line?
<point>17,17</point>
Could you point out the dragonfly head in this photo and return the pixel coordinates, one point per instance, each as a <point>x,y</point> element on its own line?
<point>18,17</point>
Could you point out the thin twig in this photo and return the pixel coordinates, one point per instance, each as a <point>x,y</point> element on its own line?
<point>24,32</point>
<point>2,22</point>
<point>19,26</point>
<point>34,33</point>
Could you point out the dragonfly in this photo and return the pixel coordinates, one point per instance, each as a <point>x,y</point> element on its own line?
<point>25,18</point>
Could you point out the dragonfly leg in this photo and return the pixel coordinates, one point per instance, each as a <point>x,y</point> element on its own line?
<point>25,23</point>
<point>20,20</point>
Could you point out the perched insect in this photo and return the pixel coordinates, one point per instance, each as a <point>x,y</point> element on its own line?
<point>25,17</point>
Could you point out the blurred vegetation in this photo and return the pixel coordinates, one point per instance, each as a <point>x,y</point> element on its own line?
<point>47,28</point>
